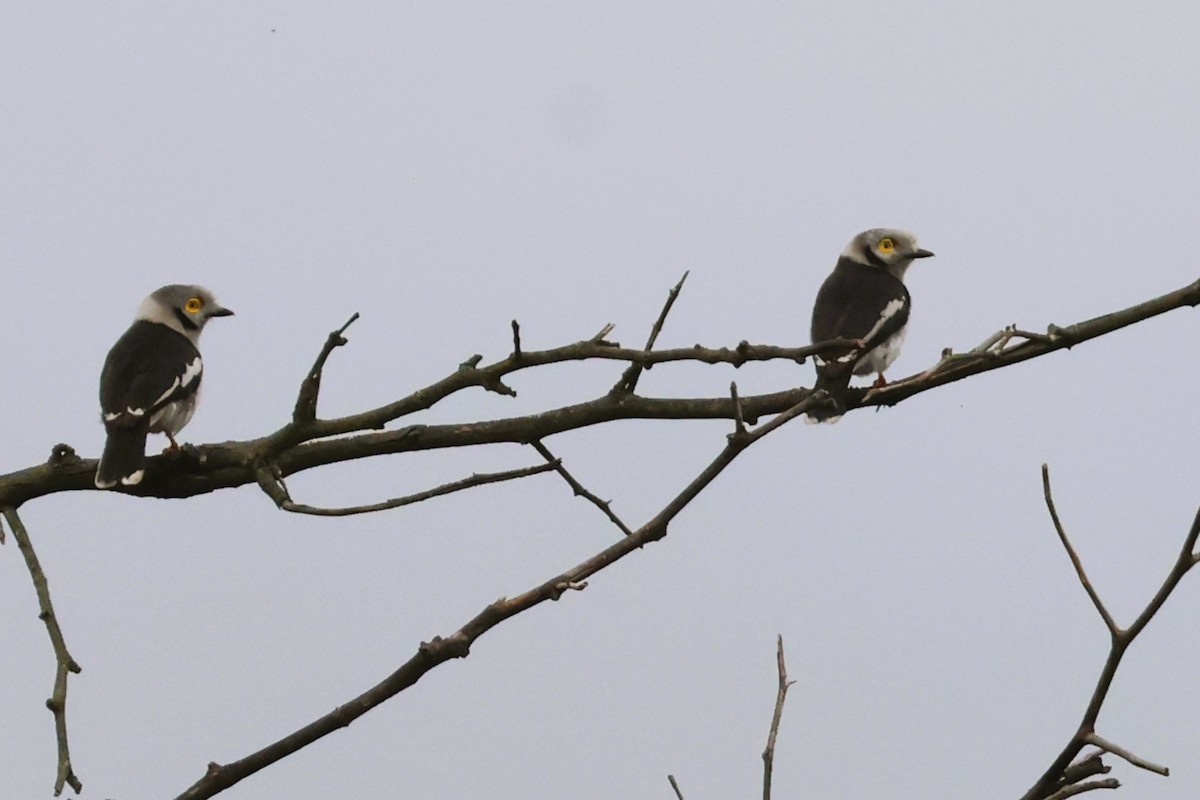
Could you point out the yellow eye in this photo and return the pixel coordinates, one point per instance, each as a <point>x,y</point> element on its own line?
<point>886,245</point>
<point>193,305</point>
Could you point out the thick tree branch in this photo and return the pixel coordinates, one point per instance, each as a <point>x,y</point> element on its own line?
<point>65,664</point>
<point>306,444</point>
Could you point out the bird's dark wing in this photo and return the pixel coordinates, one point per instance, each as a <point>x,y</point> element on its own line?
<point>860,302</point>
<point>149,366</point>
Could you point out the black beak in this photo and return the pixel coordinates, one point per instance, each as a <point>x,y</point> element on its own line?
<point>225,312</point>
<point>922,254</point>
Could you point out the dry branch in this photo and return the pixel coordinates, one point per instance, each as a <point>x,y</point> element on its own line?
<point>308,441</point>
<point>1051,783</point>
<point>65,664</point>
<point>768,755</point>
<point>219,777</point>
<point>304,445</point>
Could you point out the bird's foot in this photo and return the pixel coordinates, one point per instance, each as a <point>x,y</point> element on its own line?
<point>880,382</point>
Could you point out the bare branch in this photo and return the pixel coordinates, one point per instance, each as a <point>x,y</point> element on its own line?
<point>1080,788</point>
<point>768,755</point>
<point>675,786</point>
<point>1086,768</point>
<point>957,367</point>
<point>430,654</point>
<point>739,424</point>
<point>1113,628</point>
<point>1109,747</point>
<point>295,448</point>
<point>629,378</point>
<point>306,402</point>
<point>603,332</point>
<point>273,485</point>
<point>1085,734</point>
<point>65,664</point>
<point>604,505</point>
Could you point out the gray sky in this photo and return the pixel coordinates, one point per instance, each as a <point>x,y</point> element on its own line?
<point>444,168</point>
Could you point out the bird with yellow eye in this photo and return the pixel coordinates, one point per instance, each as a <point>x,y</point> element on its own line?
<point>151,378</point>
<point>863,299</point>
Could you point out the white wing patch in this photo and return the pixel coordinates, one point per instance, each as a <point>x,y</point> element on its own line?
<point>132,479</point>
<point>190,373</point>
<point>889,311</point>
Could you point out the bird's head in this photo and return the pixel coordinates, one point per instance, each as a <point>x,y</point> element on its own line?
<point>885,248</point>
<point>182,307</point>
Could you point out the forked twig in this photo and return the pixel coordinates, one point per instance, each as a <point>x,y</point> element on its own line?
<point>1050,783</point>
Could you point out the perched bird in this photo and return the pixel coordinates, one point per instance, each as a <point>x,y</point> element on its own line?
<point>151,378</point>
<point>864,299</point>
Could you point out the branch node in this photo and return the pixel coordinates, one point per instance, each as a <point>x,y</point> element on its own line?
<point>739,423</point>
<point>62,455</point>
<point>564,586</point>
<point>629,378</point>
<point>599,338</point>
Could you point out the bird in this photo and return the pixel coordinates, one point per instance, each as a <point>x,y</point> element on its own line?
<point>863,299</point>
<point>151,379</point>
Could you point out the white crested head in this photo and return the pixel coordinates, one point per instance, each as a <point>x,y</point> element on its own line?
<point>886,248</point>
<point>182,307</point>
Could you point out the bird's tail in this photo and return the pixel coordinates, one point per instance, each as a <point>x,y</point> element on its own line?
<point>124,458</point>
<point>834,383</point>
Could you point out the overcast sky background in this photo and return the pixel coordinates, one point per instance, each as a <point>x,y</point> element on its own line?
<point>443,168</point>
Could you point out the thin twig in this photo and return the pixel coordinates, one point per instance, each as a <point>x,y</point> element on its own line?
<point>1113,628</point>
<point>64,662</point>
<point>675,786</point>
<point>1080,788</point>
<point>1107,746</point>
<point>274,487</point>
<point>739,424</point>
<point>1086,767</point>
<point>768,755</point>
<point>578,488</point>
<point>629,378</point>
<point>603,332</point>
<point>516,329</point>
<point>310,388</point>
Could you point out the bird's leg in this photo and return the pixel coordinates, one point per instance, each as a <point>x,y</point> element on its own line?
<point>880,382</point>
<point>174,446</point>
